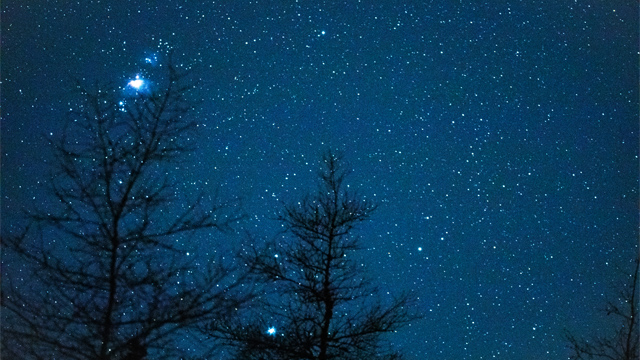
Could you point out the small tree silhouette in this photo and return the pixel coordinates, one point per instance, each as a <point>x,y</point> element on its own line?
<point>323,307</point>
<point>623,344</point>
<point>106,270</point>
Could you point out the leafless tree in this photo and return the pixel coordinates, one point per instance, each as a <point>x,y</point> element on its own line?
<point>103,269</point>
<point>624,342</point>
<point>318,304</point>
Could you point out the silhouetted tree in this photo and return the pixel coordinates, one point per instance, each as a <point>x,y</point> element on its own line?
<point>320,306</point>
<point>104,268</point>
<point>135,350</point>
<point>623,344</point>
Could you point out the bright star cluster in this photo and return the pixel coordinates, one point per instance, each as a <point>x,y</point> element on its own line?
<point>136,83</point>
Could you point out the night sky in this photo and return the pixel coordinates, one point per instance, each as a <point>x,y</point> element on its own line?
<point>501,140</point>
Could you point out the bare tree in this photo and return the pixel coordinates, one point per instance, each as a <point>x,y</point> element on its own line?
<point>320,306</point>
<point>103,270</point>
<point>624,343</point>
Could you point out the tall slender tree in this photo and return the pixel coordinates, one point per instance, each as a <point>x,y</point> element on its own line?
<point>320,305</point>
<point>105,267</point>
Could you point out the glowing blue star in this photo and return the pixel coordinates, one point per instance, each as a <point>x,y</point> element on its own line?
<point>151,59</point>
<point>271,331</point>
<point>137,83</point>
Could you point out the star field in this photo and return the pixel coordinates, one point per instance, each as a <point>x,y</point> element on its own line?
<point>500,139</point>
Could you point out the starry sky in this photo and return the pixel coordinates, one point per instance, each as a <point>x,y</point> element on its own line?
<point>500,139</point>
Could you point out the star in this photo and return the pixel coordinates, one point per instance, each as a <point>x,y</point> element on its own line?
<point>271,331</point>
<point>137,83</point>
<point>151,59</point>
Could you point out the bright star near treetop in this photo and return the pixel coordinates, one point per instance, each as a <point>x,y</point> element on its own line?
<point>137,83</point>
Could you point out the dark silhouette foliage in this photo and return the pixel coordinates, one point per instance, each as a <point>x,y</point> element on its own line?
<point>624,342</point>
<point>318,304</point>
<point>102,269</point>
